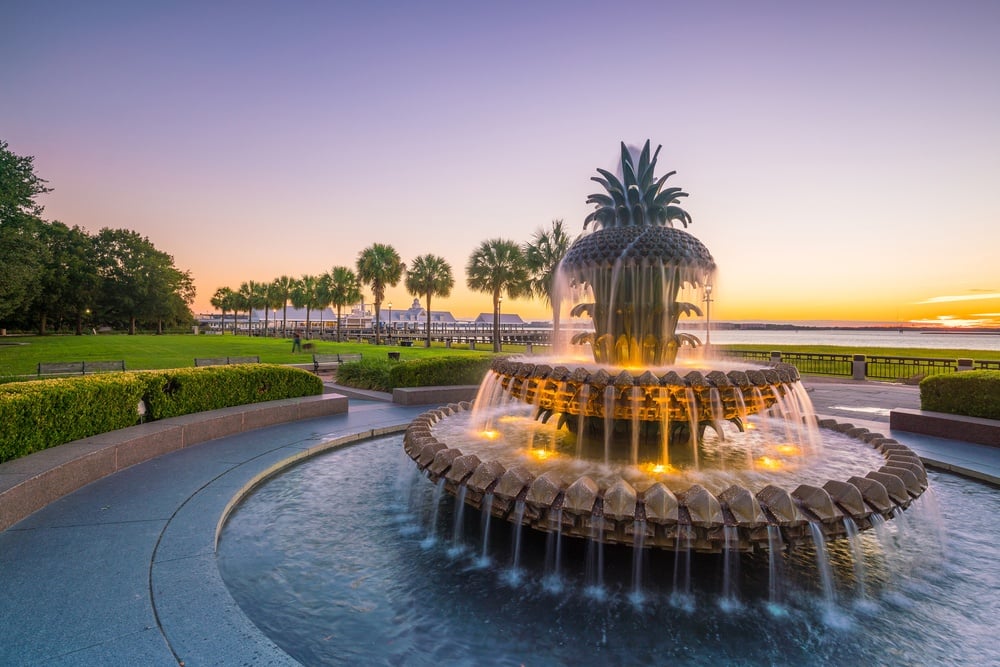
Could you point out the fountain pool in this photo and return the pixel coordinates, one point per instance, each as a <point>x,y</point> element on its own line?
<point>347,558</point>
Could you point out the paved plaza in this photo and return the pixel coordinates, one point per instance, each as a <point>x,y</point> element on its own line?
<point>123,571</point>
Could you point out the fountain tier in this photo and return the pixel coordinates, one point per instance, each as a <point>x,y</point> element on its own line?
<point>693,519</point>
<point>635,276</point>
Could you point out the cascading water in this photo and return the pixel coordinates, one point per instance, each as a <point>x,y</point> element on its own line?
<point>728,455</point>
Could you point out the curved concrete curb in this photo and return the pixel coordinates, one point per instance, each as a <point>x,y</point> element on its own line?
<point>197,615</point>
<point>32,482</point>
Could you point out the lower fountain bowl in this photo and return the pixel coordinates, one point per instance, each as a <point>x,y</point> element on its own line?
<point>694,519</point>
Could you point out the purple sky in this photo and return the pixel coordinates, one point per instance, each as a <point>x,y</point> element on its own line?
<point>842,159</point>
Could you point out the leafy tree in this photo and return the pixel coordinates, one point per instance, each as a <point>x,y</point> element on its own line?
<point>21,260</point>
<point>344,289</point>
<point>69,282</point>
<point>19,185</point>
<point>139,282</point>
<point>223,299</point>
<point>495,267</point>
<point>21,247</point>
<point>543,254</point>
<point>429,275</point>
<point>379,266</point>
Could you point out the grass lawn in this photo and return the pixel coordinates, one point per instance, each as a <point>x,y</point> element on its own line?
<point>20,355</point>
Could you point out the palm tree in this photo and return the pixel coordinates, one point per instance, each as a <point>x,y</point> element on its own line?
<point>284,286</point>
<point>379,266</point>
<point>305,295</point>
<point>275,298</point>
<point>345,289</point>
<point>429,275</point>
<point>543,255</point>
<point>322,297</point>
<point>240,302</point>
<point>254,297</point>
<point>223,300</point>
<point>498,266</point>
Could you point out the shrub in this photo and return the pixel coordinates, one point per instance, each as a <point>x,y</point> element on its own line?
<point>181,391</point>
<point>45,413</point>
<point>386,375</point>
<point>436,371</point>
<point>368,373</point>
<point>969,393</point>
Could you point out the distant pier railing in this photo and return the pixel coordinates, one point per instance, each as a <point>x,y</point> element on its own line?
<point>865,367</point>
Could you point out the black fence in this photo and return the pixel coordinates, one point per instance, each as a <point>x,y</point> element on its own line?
<point>860,366</point>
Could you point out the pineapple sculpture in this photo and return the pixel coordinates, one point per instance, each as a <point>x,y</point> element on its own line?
<point>634,264</point>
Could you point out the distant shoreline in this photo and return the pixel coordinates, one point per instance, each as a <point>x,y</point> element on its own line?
<point>767,326</point>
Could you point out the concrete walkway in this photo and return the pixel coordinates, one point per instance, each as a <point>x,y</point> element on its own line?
<point>123,571</point>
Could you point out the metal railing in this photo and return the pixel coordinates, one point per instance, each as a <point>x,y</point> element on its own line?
<point>811,363</point>
<point>905,368</point>
<point>860,366</point>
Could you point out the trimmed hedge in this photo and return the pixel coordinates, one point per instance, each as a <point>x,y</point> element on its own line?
<point>182,391</point>
<point>969,393</point>
<point>432,372</point>
<point>386,375</point>
<point>45,413</point>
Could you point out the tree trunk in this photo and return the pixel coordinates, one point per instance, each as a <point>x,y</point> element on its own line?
<point>428,327</point>
<point>496,322</point>
<point>131,326</point>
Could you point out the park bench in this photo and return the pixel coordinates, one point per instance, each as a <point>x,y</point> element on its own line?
<point>78,367</point>
<point>222,361</point>
<point>333,360</point>
<point>406,343</point>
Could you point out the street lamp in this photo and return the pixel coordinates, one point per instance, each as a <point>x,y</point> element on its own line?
<point>708,314</point>
<point>390,322</point>
<point>496,332</point>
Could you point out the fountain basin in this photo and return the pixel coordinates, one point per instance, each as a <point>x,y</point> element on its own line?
<point>652,515</point>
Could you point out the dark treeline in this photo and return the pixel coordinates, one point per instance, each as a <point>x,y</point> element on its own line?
<point>54,277</point>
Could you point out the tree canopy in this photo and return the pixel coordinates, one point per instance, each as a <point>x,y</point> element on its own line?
<point>54,274</point>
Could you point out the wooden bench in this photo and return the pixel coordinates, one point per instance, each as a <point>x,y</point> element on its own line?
<point>222,361</point>
<point>79,367</point>
<point>406,343</point>
<point>333,360</point>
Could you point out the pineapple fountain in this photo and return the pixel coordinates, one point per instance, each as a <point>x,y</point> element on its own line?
<point>650,444</point>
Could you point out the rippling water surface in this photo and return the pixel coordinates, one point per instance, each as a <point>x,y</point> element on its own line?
<point>344,560</point>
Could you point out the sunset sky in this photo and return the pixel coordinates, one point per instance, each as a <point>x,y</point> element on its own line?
<point>842,159</point>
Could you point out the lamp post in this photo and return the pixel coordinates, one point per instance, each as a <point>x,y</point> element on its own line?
<point>390,322</point>
<point>708,314</point>
<point>496,332</point>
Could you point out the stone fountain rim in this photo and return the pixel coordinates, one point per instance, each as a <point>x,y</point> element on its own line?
<point>884,491</point>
